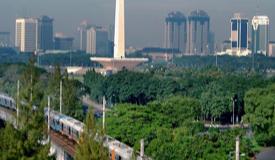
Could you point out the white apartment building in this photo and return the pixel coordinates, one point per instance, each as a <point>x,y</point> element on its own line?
<point>26,34</point>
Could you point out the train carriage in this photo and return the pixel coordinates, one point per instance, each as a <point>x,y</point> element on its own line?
<point>7,101</point>
<point>66,125</point>
<point>73,128</point>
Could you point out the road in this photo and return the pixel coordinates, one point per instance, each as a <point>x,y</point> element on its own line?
<point>88,102</point>
<point>266,154</point>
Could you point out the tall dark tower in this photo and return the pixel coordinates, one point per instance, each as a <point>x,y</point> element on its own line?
<point>175,31</point>
<point>198,33</point>
<point>45,33</point>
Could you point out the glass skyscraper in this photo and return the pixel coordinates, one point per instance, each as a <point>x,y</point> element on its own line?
<point>260,35</point>
<point>176,31</point>
<point>239,35</point>
<point>198,33</point>
<point>45,33</point>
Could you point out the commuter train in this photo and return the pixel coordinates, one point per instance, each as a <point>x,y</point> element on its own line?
<point>73,128</point>
<point>65,125</point>
<point>7,101</point>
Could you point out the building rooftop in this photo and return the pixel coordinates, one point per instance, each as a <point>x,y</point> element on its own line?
<point>199,14</point>
<point>176,17</point>
<point>260,20</point>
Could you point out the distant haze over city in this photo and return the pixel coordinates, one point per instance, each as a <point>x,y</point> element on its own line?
<point>144,18</point>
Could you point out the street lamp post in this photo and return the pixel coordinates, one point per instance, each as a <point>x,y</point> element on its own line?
<point>17,102</point>
<point>60,97</point>
<point>49,119</point>
<point>233,110</point>
<point>104,108</point>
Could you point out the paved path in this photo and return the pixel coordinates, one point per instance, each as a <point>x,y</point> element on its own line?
<point>206,125</point>
<point>88,102</point>
<point>266,154</point>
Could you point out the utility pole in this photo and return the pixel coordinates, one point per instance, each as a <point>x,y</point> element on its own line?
<point>60,98</point>
<point>237,148</point>
<point>70,59</point>
<point>49,120</point>
<point>142,149</point>
<point>17,101</point>
<point>104,108</point>
<point>38,60</point>
<point>31,87</point>
<point>233,109</point>
<point>216,60</point>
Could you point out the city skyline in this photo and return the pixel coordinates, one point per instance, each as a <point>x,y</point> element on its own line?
<point>146,29</point>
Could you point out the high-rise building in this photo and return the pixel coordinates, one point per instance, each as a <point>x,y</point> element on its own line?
<point>198,33</point>
<point>239,36</point>
<point>97,41</point>
<point>226,46</point>
<point>175,31</point>
<point>211,44</point>
<point>260,35</point>
<point>271,49</point>
<point>26,34</point>
<point>111,33</point>
<point>45,33</point>
<point>62,42</point>
<point>82,30</point>
<point>4,39</point>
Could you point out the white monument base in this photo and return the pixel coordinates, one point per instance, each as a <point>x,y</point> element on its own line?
<point>117,64</point>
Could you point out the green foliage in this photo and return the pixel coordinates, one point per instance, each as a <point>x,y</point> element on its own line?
<point>68,59</point>
<point>142,121</point>
<point>130,87</point>
<point>25,142</point>
<point>260,112</point>
<point>71,104</point>
<point>54,87</point>
<point>215,101</point>
<point>95,82</point>
<point>91,144</point>
<point>9,74</point>
<point>214,88</point>
<point>171,131</point>
<point>71,99</point>
<point>227,63</point>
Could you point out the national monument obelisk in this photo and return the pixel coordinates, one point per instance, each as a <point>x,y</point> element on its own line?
<point>119,43</point>
<point>119,61</point>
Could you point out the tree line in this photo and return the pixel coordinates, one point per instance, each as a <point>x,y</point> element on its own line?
<point>196,96</point>
<point>27,140</point>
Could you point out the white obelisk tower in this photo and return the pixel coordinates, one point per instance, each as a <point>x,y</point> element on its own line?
<point>119,44</point>
<point>119,61</point>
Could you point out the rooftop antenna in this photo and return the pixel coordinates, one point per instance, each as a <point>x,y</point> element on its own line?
<point>258,7</point>
<point>253,54</point>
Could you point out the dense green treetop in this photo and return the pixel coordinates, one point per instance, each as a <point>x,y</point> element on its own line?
<point>25,141</point>
<point>90,145</point>
<point>260,112</point>
<point>171,130</point>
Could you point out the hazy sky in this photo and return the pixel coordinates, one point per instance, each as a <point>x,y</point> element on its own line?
<point>144,18</point>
